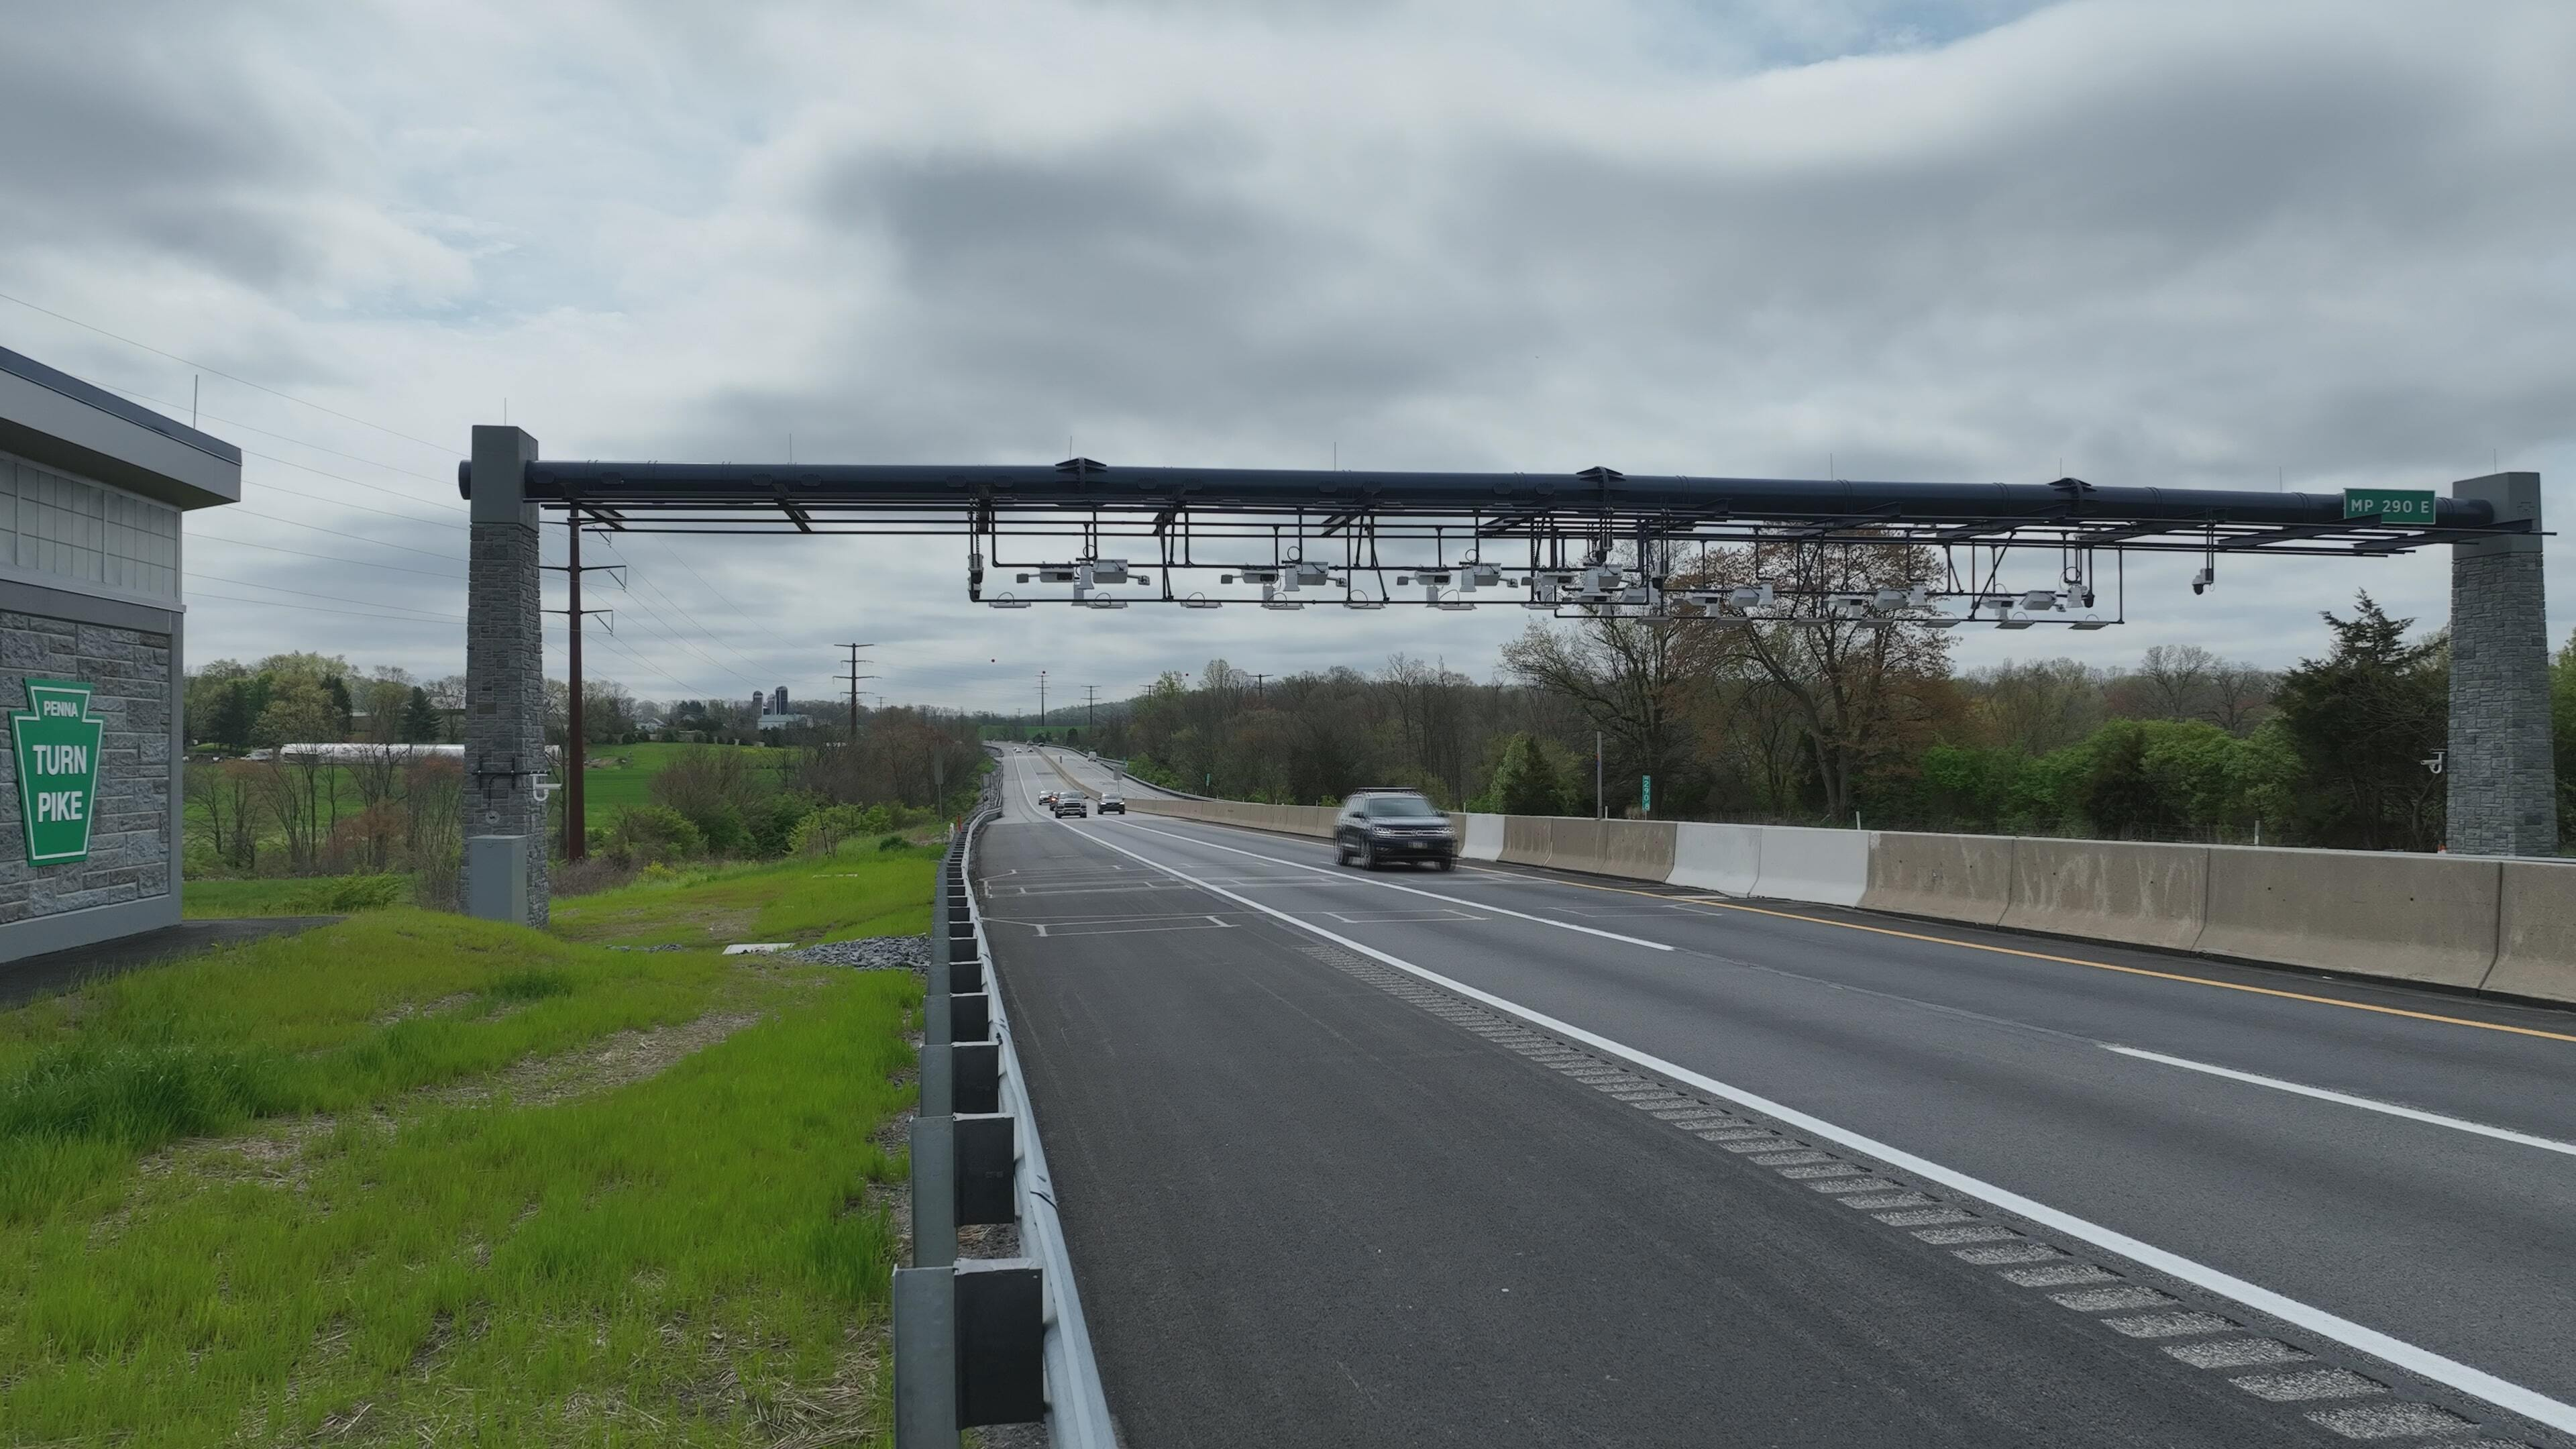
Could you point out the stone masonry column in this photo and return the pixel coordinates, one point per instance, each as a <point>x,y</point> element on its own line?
<point>2503,787</point>
<point>505,660</point>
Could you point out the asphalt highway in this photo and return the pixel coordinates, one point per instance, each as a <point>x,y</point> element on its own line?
<point>1494,1156</point>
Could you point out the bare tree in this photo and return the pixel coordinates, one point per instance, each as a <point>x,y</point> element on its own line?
<point>1857,686</point>
<point>2040,705</point>
<point>2240,696</point>
<point>2178,675</point>
<point>1629,679</point>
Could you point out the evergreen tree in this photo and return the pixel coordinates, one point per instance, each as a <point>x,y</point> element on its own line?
<point>1525,782</point>
<point>420,718</point>
<point>2363,721</point>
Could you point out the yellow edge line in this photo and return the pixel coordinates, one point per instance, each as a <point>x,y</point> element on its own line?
<point>1725,905</point>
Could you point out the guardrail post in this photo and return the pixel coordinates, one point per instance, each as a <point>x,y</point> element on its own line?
<point>934,1191</point>
<point>926,1381</point>
<point>937,1093</point>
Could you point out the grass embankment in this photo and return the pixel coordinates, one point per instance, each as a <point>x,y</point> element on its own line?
<point>414,1178</point>
<point>291,896</point>
<point>863,891</point>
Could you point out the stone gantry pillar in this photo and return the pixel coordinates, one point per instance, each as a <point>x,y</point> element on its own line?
<point>505,659</point>
<point>2503,786</point>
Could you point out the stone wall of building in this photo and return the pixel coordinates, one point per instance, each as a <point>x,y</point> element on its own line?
<point>131,853</point>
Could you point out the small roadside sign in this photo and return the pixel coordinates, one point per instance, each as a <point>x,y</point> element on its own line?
<point>57,748</point>
<point>1647,805</point>
<point>2389,505</point>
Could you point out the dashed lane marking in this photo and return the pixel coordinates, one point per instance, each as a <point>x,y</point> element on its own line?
<point>1717,903</point>
<point>2129,1308</point>
<point>1725,904</point>
<point>2367,1104</point>
<point>1382,885</point>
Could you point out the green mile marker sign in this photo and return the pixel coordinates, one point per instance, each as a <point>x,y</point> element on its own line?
<point>2389,505</point>
<point>57,744</point>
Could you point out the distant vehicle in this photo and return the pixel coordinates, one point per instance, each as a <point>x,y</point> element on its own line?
<point>1113,804</point>
<point>1064,805</point>
<point>1048,798</point>
<point>1377,826</point>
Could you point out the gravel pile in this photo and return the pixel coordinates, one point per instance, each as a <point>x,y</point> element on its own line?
<point>873,953</point>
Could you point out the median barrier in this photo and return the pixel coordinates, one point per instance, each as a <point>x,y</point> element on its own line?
<point>2108,890</point>
<point>1722,858</point>
<point>1805,863</point>
<point>1572,844</point>
<point>1948,877</point>
<point>1480,837</point>
<point>2536,935</point>
<point>1636,849</point>
<point>2409,917</point>
<point>1525,839</point>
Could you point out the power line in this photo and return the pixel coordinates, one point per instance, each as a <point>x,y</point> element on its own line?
<point>363,508</point>
<point>299,442</point>
<point>326,557</point>
<point>352,613</point>
<point>651,617</point>
<point>335,533</point>
<point>228,377</point>
<point>307,594</point>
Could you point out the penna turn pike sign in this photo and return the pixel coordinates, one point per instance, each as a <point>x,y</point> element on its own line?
<point>57,748</point>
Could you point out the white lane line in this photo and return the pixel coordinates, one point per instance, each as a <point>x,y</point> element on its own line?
<point>2456,1124</point>
<point>2422,1362</point>
<point>1392,886</point>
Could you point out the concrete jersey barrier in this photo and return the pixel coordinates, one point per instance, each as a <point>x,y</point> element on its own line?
<point>2474,922</point>
<point>1804,863</point>
<point>2109,890</point>
<point>2408,917</point>
<point>1722,858</point>
<point>2536,933</point>
<point>1948,877</point>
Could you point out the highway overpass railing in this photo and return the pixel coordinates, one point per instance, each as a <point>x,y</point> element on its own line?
<point>983,1341</point>
<point>2504,926</point>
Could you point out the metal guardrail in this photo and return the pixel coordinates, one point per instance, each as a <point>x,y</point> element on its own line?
<point>984,1341</point>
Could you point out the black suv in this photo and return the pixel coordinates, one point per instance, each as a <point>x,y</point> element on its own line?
<point>1382,825</point>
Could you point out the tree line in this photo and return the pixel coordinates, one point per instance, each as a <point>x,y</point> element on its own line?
<point>1844,721</point>
<point>377,803</point>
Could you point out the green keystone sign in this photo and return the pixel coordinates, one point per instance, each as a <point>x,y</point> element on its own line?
<point>57,745</point>
<point>2389,505</point>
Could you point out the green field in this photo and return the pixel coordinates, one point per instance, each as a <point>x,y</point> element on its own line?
<point>419,1179</point>
<point>608,787</point>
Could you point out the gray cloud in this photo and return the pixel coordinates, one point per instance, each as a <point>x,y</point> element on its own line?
<point>2178,244</point>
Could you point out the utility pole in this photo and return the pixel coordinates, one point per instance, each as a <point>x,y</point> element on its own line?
<point>576,821</point>
<point>1600,802</point>
<point>1261,687</point>
<point>1090,705</point>
<point>1042,703</point>
<point>854,676</point>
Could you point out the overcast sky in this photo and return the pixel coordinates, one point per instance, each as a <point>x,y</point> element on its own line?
<point>2195,245</point>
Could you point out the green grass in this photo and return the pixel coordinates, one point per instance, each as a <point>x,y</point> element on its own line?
<point>607,788</point>
<point>861,891</point>
<point>389,1181</point>
<point>317,896</point>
